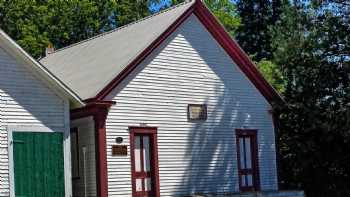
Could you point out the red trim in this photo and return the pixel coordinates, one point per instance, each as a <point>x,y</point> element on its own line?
<point>90,109</point>
<point>222,37</point>
<point>102,94</point>
<point>99,112</point>
<point>152,131</point>
<point>235,52</point>
<point>252,134</point>
<point>100,136</point>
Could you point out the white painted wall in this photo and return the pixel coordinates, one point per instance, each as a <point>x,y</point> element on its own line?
<point>86,130</point>
<point>26,101</point>
<point>194,157</point>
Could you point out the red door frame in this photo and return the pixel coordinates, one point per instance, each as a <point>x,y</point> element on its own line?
<point>252,133</point>
<point>152,132</point>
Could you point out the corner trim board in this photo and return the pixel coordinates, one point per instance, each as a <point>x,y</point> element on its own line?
<point>278,159</point>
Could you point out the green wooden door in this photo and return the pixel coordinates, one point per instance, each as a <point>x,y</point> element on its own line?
<point>38,164</point>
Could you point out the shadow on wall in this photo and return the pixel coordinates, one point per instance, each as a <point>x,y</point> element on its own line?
<point>26,98</point>
<point>209,163</point>
<point>211,150</point>
<point>25,103</point>
<point>211,147</point>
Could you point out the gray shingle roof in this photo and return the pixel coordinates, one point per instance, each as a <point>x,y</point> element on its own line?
<point>88,66</point>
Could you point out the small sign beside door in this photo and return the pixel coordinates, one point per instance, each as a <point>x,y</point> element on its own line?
<point>119,150</point>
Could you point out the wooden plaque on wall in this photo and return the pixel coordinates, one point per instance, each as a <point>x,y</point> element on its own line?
<point>197,112</point>
<point>119,150</point>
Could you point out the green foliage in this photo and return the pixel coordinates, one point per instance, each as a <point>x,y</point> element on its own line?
<point>272,74</point>
<point>256,18</point>
<point>34,24</point>
<point>312,49</point>
<point>227,14</point>
<point>225,11</point>
<point>128,11</point>
<point>175,2</point>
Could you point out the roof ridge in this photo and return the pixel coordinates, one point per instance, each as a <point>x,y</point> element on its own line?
<point>121,27</point>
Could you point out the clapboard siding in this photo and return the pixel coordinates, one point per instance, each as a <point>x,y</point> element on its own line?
<point>24,100</point>
<point>194,157</point>
<point>86,136</point>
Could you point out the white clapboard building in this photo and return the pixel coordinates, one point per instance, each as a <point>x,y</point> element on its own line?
<point>34,126</point>
<point>169,105</point>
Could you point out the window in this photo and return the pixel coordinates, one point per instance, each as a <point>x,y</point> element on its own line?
<point>247,156</point>
<point>75,152</point>
<point>197,112</point>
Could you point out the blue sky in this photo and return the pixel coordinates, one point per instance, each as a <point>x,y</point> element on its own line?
<point>156,6</point>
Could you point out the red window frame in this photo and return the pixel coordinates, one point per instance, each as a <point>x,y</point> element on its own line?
<point>152,132</point>
<point>254,170</point>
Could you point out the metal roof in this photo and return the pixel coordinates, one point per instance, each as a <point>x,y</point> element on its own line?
<point>88,66</point>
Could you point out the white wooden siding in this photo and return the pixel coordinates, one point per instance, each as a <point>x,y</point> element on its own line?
<point>24,100</point>
<point>194,157</point>
<point>86,137</point>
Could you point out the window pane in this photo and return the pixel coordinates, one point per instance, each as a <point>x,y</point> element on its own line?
<point>137,154</point>
<point>249,180</point>
<point>138,185</point>
<point>248,153</point>
<point>148,184</point>
<point>243,178</point>
<point>146,154</point>
<point>241,152</point>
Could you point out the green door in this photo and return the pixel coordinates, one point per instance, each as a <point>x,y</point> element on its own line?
<point>38,164</point>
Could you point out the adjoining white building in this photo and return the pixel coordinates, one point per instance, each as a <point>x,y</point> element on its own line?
<point>34,126</point>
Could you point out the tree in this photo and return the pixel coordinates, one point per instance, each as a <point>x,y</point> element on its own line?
<point>128,11</point>
<point>312,49</point>
<point>35,24</point>
<point>225,11</point>
<point>253,33</point>
<point>272,74</point>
